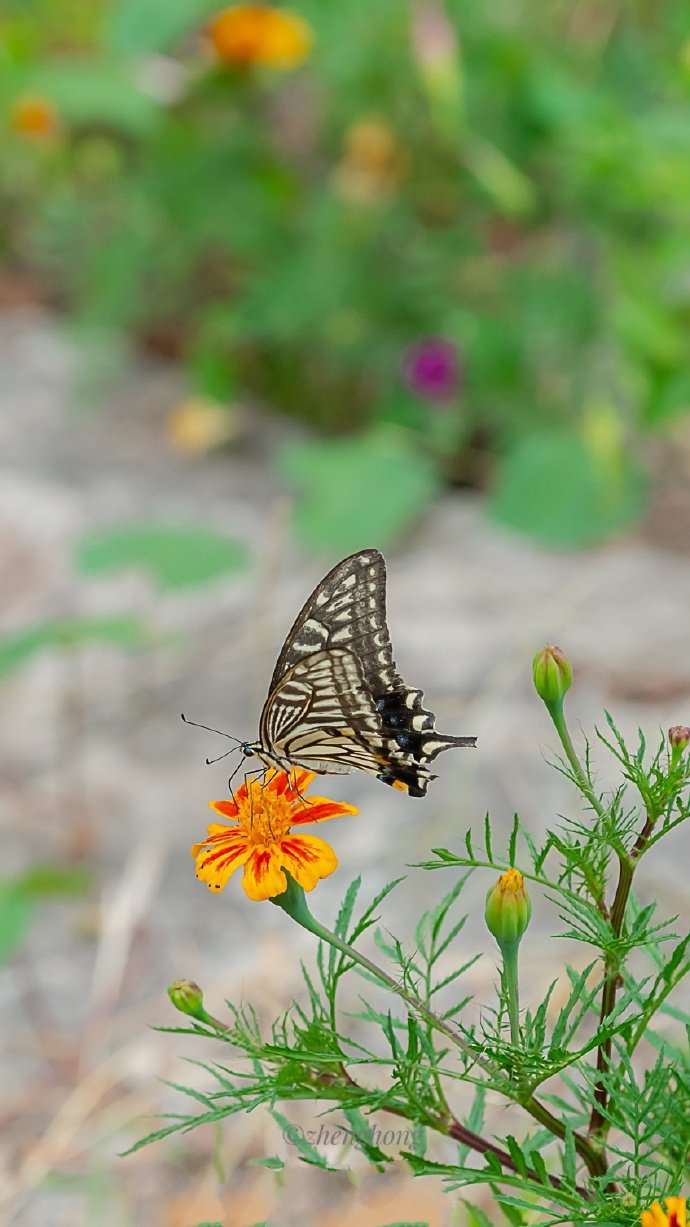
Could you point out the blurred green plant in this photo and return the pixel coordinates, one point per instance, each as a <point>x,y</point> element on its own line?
<point>173,557</point>
<point>20,896</point>
<point>516,186</point>
<point>20,647</point>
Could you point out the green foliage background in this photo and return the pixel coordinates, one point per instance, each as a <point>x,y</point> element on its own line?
<point>533,211</point>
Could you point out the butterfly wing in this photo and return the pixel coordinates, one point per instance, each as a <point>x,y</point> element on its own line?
<point>346,610</point>
<point>336,700</point>
<point>322,716</point>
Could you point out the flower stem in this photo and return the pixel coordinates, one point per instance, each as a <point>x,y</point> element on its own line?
<point>598,1124</point>
<point>556,713</point>
<point>510,979</point>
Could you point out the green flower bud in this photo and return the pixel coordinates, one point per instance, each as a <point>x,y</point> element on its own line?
<point>679,737</point>
<point>188,998</point>
<point>553,675</point>
<point>508,909</point>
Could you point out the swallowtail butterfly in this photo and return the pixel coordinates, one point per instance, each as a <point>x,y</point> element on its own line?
<point>336,701</point>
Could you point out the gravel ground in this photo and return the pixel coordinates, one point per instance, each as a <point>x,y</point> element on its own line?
<point>97,768</point>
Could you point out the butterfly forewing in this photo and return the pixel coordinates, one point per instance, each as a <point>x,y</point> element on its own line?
<point>346,610</point>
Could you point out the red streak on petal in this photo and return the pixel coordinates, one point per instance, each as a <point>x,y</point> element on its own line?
<point>299,851</point>
<point>231,852</point>
<point>260,862</point>
<point>321,813</point>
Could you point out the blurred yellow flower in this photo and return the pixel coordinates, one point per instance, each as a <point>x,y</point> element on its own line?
<point>674,1216</point>
<point>256,34</point>
<point>198,424</point>
<point>35,116</point>
<point>373,163</point>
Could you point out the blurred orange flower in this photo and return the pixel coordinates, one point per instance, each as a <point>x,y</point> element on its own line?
<point>256,34</point>
<point>263,812</point>
<point>34,115</point>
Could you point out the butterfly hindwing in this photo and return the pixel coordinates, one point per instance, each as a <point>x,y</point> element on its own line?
<point>321,716</point>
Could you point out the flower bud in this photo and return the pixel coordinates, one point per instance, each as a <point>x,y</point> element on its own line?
<point>553,675</point>
<point>679,737</point>
<point>188,998</point>
<point>508,908</point>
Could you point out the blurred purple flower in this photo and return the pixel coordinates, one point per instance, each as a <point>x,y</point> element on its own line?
<point>431,368</point>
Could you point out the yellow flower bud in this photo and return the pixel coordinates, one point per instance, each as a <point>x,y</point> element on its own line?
<point>508,908</point>
<point>553,674</point>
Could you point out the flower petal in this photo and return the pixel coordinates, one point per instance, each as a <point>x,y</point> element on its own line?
<point>320,809</point>
<point>218,858</point>
<point>301,780</point>
<point>227,808</point>
<point>263,873</point>
<point>676,1210</point>
<point>308,859</point>
<point>216,832</point>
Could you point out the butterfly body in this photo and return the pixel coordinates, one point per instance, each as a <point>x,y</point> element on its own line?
<point>336,701</point>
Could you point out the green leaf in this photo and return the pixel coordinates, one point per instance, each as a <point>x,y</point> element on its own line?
<point>475,1216</point>
<point>359,491</point>
<point>138,27</point>
<point>175,558</point>
<point>552,487</point>
<point>16,911</point>
<point>272,1162</point>
<point>120,631</point>
<point>297,1140</point>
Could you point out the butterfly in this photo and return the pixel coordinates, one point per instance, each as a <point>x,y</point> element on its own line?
<point>336,702</point>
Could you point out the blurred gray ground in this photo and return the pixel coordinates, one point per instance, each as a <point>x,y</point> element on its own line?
<point>97,765</point>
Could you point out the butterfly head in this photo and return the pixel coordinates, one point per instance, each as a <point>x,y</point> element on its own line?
<point>247,749</point>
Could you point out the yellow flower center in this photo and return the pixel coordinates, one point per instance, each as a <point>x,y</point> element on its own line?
<point>264,816</point>
<point>511,882</point>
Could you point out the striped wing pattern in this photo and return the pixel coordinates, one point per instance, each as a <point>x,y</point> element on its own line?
<point>336,701</point>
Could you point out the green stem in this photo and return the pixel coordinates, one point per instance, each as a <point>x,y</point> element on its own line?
<point>598,1125</point>
<point>555,711</point>
<point>591,1154</point>
<point>510,979</point>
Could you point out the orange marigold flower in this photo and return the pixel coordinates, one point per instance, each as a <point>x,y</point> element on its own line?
<point>34,115</point>
<point>263,812</point>
<point>256,34</point>
<point>673,1217</point>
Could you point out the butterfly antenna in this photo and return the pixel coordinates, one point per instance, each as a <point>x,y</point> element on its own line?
<point>208,728</point>
<point>211,761</point>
